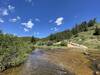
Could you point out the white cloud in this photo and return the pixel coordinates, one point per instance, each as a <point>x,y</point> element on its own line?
<point>28,24</point>
<point>10,7</point>
<point>5,12</point>
<point>26,30</point>
<point>54,29</point>
<point>36,33</point>
<point>37,19</point>
<point>59,21</point>
<point>15,19</point>
<point>18,17</point>
<point>1,20</point>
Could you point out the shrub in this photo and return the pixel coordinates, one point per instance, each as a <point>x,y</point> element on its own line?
<point>63,43</point>
<point>13,51</point>
<point>49,43</point>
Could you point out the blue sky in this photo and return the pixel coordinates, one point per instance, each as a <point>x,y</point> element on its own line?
<point>43,17</point>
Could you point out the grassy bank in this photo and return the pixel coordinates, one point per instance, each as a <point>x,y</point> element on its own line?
<point>13,51</point>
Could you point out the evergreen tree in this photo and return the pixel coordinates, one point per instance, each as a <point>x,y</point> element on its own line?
<point>84,26</point>
<point>0,31</point>
<point>91,22</point>
<point>33,40</point>
<point>68,34</point>
<point>52,37</point>
<point>74,31</point>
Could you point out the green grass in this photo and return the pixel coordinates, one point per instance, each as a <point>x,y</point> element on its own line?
<point>88,39</point>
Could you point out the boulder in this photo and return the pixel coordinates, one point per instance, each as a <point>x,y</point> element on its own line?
<point>97,73</point>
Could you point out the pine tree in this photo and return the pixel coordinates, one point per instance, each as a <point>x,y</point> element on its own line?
<point>0,31</point>
<point>33,40</point>
<point>91,22</point>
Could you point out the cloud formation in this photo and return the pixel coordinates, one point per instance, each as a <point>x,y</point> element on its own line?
<point>54,29</point>
<point>36,33</point>
<point>59,21</point>
<point>26,30</point>
<point>1,20</point>
<point>10,7</point>
<point>4,12</point>
<point>37,19</point>
<point>28,24</point>
<point>14,19</point>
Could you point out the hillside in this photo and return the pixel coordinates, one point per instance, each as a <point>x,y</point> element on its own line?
<point>87,38</point>
<point>68,33</point>
<point>85,33</point>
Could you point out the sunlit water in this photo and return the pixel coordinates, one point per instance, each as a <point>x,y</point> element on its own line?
<point>37,65</point>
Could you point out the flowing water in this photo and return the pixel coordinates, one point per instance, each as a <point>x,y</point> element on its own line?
<point>37,65</point>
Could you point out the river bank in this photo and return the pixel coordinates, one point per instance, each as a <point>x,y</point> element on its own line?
<point>38,64</point>
<point>50,62</point>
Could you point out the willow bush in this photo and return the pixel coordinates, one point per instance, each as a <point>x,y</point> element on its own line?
<point>13,51</point>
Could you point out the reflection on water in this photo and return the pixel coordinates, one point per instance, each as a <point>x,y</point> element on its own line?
<point>36,65</point>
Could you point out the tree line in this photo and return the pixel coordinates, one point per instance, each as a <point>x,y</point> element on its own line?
<point>67,34</point>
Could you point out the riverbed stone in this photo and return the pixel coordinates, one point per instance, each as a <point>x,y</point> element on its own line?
<point>97,73</point>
